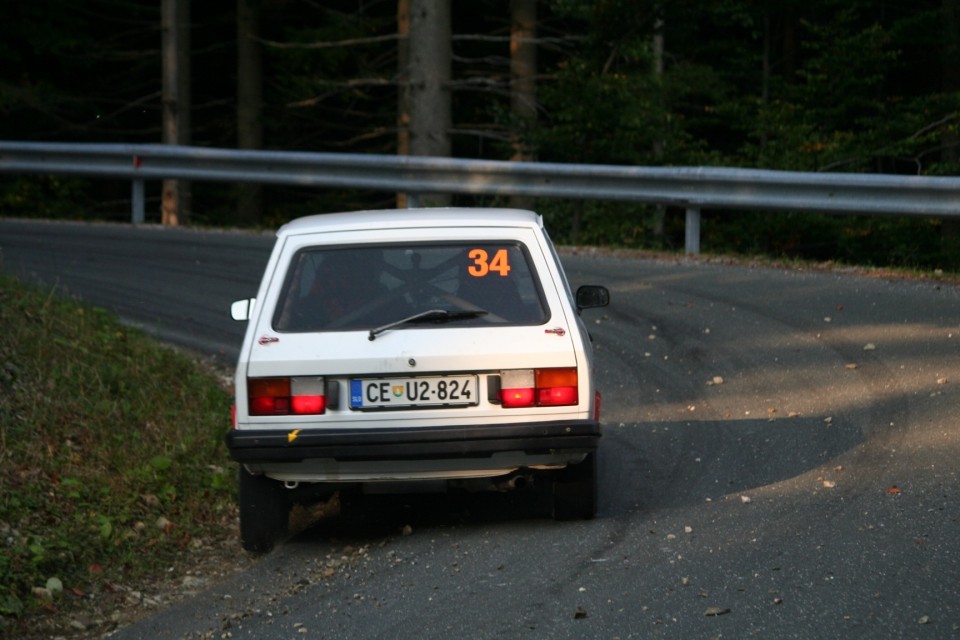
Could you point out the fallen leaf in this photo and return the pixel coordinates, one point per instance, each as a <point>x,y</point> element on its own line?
<point>829,484</point>
<point>851,366</point>
<point>924,620</point>
<point>716,611</point>
<point>893,490</point>
<point>869,347</point>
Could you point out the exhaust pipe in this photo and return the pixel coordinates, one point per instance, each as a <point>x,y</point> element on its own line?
<point>514,482</point>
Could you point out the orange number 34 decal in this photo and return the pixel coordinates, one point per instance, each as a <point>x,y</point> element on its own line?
<point>483,264</point>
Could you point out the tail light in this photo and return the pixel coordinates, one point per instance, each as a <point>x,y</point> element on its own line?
<point>301,395</point>
<point>538,388</point>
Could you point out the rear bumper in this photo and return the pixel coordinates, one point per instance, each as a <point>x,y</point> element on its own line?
<point>261,446</point>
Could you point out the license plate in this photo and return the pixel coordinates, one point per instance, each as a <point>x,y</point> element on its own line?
<point>394,393</point>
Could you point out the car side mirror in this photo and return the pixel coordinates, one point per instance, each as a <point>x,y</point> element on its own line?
<point>242,309</point>
<point>590,296</point>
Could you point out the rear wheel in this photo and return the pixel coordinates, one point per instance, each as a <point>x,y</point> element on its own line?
<point>264,512</point>
<point>575,490</point>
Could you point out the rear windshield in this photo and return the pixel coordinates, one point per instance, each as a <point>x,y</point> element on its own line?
<point>362,287</point>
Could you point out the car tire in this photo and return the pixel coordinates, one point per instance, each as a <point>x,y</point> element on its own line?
<point>264,512</point>
<point>575,490</point>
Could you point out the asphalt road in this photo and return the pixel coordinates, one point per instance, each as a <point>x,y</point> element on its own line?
<point>780,460</point>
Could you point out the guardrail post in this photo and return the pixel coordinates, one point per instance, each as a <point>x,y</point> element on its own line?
<point>693,231</point>
<point>137,202</point>
<point>137,197</point>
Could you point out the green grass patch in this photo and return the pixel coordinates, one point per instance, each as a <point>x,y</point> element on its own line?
<point>112,460</point>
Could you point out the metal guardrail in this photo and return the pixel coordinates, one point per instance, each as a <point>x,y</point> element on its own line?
<point>693,188</point>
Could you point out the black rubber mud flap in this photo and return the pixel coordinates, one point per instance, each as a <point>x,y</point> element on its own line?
<point>264,512</point>
<point>575,490</point>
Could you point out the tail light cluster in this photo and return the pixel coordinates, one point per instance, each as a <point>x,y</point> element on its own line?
<point>294,396</point>
<point>538,388</point>
<point>306,395</point>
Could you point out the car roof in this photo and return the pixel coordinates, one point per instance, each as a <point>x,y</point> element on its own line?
<point>443,217</point>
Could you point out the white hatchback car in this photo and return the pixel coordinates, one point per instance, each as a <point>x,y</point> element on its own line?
<point>413,345</point>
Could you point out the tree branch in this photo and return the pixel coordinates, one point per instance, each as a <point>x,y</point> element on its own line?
<point>342,86</point>
<point>481,133</point>
<point>330,44</point>
<point>933,125</point>
<point>508,39</point>
<point>913,136</point>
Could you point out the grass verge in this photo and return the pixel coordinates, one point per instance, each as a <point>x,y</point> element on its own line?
<point>112,462</point>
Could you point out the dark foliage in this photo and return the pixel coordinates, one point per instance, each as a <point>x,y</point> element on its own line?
<point>814,85</point>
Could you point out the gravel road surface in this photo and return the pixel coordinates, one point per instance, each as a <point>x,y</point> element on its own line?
<point>780,460</point>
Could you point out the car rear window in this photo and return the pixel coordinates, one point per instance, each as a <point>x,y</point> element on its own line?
<point>362,287</point>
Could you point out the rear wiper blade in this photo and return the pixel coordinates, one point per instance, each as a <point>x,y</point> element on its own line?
<point>433,315</point>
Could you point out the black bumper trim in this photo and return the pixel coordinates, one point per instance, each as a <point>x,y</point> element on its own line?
<point>424,443</point>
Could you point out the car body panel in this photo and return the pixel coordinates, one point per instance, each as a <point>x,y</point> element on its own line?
<point>481,439</point>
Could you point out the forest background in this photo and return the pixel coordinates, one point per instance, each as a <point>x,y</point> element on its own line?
<point>869,86</point>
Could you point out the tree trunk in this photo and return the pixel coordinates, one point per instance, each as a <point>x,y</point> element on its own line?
<point>249,105</point>
<point>523,72</point>
<point>429,84</point>
<point>175,17</point>
<point>951,68</point>
<point>403,86</point>
<point>523,80</point>
<point>659,217</point>
<point>950,78</point>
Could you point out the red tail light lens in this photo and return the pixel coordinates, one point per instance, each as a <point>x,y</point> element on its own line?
<point>301,395</point>
<point>307,405</point>
<point>556,396</point>
<point>538,388</point>
<point>269,396</point>
<point>556,387</point>
<point>512,398</point>
<point>517,388</point>
<point>307,395</point>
